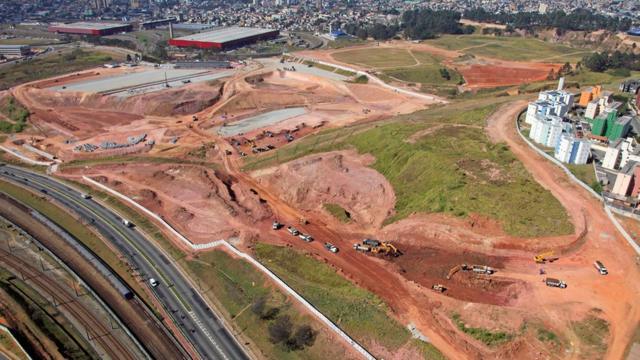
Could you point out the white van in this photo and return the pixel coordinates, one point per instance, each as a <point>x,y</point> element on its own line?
<point>153,282</point>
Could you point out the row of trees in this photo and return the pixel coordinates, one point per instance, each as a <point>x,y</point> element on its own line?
<point>416,24</point>
<point>611,60</point>
<point>581,19</point>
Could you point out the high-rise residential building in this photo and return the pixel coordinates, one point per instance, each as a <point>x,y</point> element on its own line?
<point>572,150</point>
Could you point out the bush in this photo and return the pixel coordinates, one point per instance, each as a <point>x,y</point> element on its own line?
<point>280,330</point>
<point>304,336</point>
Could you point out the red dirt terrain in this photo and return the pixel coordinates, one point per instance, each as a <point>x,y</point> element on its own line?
<point>201,191</point>
<point>480,72</point>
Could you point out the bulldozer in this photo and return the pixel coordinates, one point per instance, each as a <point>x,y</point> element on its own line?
<point>545,257</point>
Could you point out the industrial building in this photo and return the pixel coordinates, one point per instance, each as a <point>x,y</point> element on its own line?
<point>15,50</point>
<point>152,24</point>
<point>225,38</point>
<point>91,28</point>
<point>572,150</point>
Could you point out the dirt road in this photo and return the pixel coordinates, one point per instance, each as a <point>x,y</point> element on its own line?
<point>616,294</point>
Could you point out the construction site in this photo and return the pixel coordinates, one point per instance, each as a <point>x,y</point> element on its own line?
<point>181,149</point>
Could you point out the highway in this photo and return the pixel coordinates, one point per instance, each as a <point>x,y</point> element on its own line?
<point>183,302</point>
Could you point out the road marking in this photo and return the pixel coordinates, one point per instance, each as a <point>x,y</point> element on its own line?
<point>206,333</point>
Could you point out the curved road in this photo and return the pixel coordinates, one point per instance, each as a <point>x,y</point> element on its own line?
<point>190,312</point>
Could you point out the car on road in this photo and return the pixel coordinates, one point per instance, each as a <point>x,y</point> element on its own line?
<point>85,196</point>
<point>153,282</point>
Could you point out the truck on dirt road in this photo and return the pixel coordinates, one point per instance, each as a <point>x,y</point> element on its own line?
<point>362,248</point>
<point>555,283</point>
<point>293,231</point>
<point>331,247</point>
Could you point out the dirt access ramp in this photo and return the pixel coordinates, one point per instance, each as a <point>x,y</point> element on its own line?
<point>615,294</point>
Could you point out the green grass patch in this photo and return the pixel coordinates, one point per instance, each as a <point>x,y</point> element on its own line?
<point>489,338</point>
<point>52,65</point>
<point>359,312</point>
<point>593,332</point>
<point>75,228</point>
<point>18,115</point>
<point>253,305</point>
<point>545,335</point>
<point>376,57</point>
<point>510,48</point>
<point>338,212</point>
<point>426,74</point>
<point>454,169</point>
<point>584,173</point>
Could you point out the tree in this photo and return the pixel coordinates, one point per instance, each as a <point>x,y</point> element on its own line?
<point>304,336</point>
<point>595,62</point>
<point>280,330</point>
<point>361,33</point>
<point>445,74</point>
<point>128,58</point>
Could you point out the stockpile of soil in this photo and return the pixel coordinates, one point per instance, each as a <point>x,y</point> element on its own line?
<point>340,177</point>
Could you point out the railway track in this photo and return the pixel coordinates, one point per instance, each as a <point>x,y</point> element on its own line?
<point>95,329</point>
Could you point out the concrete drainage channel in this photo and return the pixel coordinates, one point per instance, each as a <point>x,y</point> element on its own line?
<point>325,320</point>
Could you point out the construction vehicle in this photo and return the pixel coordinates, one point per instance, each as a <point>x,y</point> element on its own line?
<point>276,225</point>
<point>555,283</point>
<point>386,248</point>
<point>293,231</point>
<point>371,242</point>
<point>438,288</point>
<point>331,247</point>
<point>306,237</point>
<point>545,257</point>
<point>481,269</point>
<point>362,248</point>
<point>602,270</point>
<point>454,270</point>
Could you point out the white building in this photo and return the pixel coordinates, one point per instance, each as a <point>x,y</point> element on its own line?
<point>611,159</point>
<point>572,150</point>
<point>546,130</point>
<point>592,110</point>
<point>552,102</point>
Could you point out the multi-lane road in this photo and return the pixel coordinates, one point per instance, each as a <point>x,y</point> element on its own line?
<point>197,321</point>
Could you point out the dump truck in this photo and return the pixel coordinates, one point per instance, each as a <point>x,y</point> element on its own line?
<point>602,270</point>
<point>371,242</point>
<point>555,283</point>
<point>276,225</point>
<point>362,248</point>
<point>331,247</point>
<point>293,231</point>
<point>482,269</point>
<point>438,288</point>
<point>545,257</point>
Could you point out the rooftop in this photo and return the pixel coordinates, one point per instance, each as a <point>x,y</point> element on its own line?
<point>222,35</point>
<point>90,25</point>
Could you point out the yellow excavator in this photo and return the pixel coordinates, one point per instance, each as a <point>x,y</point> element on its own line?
<point>544,257</point>
<point>386,248</point>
